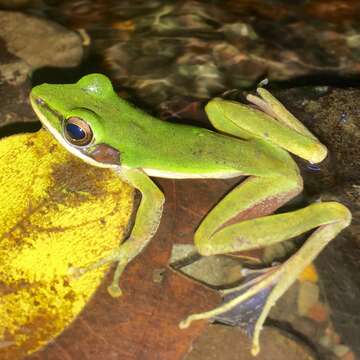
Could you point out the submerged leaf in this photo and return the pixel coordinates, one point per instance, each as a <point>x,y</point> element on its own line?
<point>56,212</point>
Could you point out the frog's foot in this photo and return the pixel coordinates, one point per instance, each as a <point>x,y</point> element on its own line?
<point>243,305</point>
<point>115,256</point>
<point>114,290</point>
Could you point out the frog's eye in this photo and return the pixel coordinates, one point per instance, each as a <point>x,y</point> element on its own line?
<point>77,131</point>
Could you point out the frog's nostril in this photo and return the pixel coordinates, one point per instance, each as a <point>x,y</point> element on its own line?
<point>39,101</point>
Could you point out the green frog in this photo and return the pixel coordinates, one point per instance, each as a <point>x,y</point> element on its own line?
<point>92,122</point>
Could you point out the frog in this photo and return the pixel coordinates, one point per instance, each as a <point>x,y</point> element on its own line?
<point>255,140</point>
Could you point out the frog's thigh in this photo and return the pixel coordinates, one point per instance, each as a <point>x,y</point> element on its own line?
<point>266,194</point>
<point>219,233</point>
<point>271,229</point>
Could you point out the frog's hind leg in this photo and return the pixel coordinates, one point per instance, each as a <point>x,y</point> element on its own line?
<point>219,233</point>
<point>214,238</point>
<point>270,121</point>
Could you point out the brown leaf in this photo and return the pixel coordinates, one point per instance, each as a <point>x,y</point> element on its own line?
<point>143,323</point>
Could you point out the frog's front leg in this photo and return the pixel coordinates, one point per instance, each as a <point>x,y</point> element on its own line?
<point>219,234</point>
<point>147,220</point>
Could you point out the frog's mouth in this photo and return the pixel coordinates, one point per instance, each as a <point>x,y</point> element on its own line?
<point>49,117</point>
<point>100,155</point>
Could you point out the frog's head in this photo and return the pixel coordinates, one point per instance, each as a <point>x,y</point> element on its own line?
<point>73,113</point>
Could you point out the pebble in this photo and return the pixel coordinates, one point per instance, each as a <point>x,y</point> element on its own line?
<point>308,296</point>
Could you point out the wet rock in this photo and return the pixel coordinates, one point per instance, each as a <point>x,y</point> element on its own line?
<point>173,50</point>
<point>12,4</point>
<point>318,312</point>
<point>211,270</point>
<point>226,343</point>
<point>27,43</point>
<point>308,297</point>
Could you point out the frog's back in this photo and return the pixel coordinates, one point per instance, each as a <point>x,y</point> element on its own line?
<point>166,149</point>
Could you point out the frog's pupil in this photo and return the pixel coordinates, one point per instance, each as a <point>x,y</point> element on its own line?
<point>75,131</point>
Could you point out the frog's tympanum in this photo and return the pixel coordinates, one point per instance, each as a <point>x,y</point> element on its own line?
<point>90,120</point>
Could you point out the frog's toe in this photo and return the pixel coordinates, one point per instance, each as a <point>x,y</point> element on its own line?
<point>114,290</point>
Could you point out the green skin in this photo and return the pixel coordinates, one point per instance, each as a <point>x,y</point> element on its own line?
<point>137,145</point>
